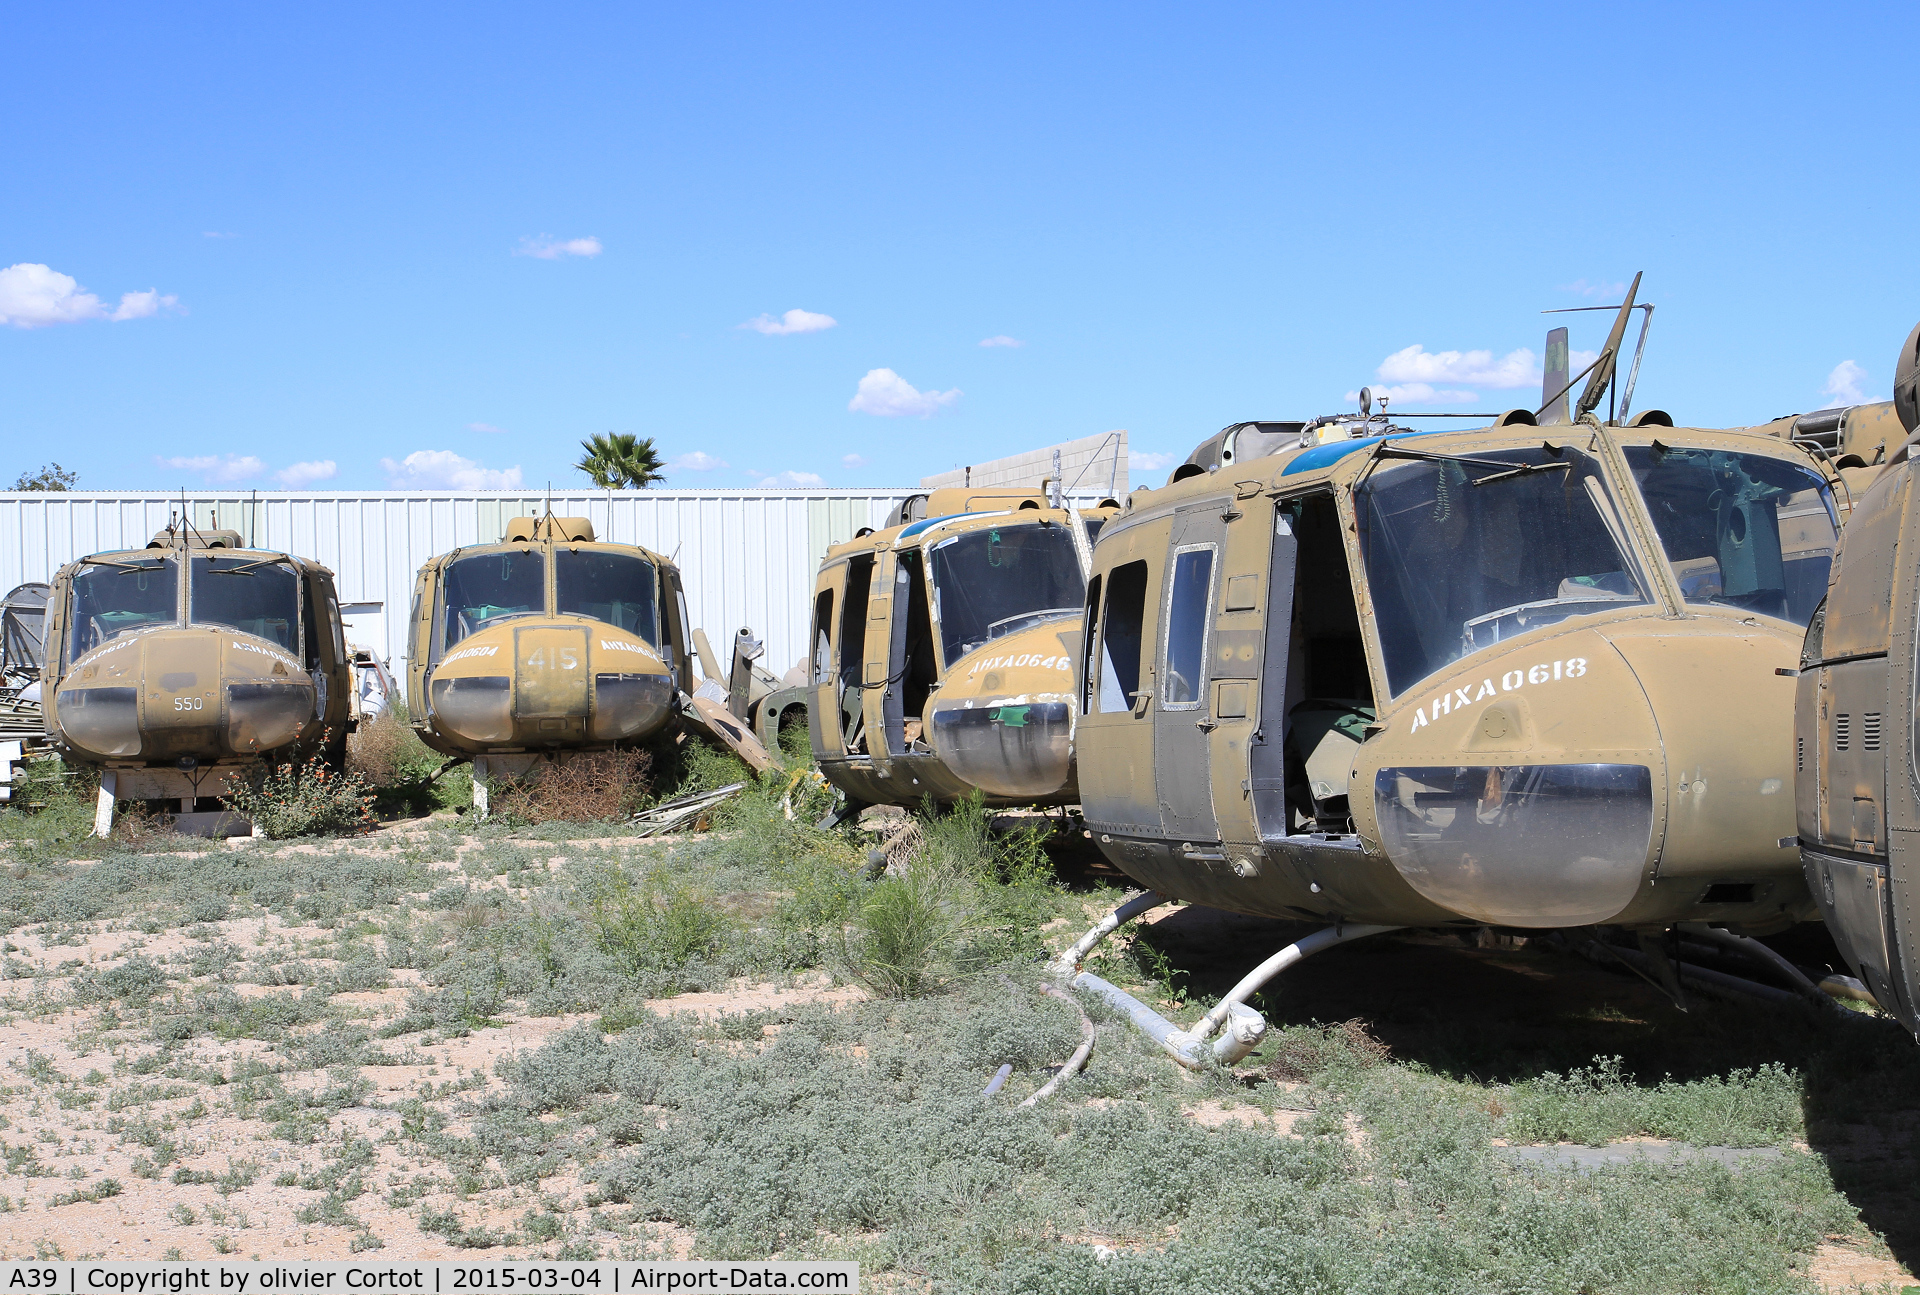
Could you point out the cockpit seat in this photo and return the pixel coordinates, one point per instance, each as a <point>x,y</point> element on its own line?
<point>1323,735</point>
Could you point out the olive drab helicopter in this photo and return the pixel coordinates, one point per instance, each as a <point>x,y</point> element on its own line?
<point>179,668</point>
<point>544,644</point>
<point>943,649</point>
<point>1529,675</point>
<point>1858,789</point>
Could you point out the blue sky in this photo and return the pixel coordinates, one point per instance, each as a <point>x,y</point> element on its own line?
<point>366,237</point>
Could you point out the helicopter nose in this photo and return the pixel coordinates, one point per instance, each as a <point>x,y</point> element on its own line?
<point>1007,748</point>
<point>1724,704</point>
<point>1522,792</point>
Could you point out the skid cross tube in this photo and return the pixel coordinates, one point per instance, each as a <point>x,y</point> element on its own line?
<point>1244,1027</point>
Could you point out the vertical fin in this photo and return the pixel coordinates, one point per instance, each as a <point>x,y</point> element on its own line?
<point>1557,379</point>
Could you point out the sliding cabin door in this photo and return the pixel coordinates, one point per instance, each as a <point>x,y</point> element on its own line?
<point>1182,707</point>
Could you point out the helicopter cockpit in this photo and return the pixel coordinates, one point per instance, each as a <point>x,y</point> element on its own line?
<point>987,584</point>
<point>1461,552</point>
<point>490,588</point>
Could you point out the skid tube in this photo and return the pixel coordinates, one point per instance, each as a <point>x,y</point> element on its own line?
<point>1198,1049</point>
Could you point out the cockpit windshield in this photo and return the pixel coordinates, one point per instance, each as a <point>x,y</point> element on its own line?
<point>617,588</point>
<point>253,595</point>
<point>488,588</point>
<point>1741,530</point>
<point>113,596</point>
<point>1461,553</point>
<point>998,579</point>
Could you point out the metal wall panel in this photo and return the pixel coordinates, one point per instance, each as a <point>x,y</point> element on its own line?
<point>747,557</point>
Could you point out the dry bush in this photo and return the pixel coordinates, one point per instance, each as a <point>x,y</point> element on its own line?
<point>900,839</point>
<point>384,750</point>
<point>1301,1054</point>
<point>590,786</point>
<point>143,829</point>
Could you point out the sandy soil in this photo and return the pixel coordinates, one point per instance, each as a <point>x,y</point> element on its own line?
<point>76,1120</point>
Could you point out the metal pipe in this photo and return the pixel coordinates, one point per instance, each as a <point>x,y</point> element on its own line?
<point>1075,1062</point>
<point>1244,1027</point>
<point>999,1078</point>
<point>1709,980</point>
<point>1278,963</point>
<point>1753,948</point>
<point>1069,962</point>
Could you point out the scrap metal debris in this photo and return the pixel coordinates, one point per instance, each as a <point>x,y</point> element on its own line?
<point>683,810</point>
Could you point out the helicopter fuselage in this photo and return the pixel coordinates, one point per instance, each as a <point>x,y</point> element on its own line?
<point>543,643</point>
<point>943,660</point>
<point>1518,676</point>
<point>181,666</point>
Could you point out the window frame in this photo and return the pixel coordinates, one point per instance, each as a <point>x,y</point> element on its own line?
<point>1203,681</point>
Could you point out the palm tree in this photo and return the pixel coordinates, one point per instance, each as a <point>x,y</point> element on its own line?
<point>621,461</point>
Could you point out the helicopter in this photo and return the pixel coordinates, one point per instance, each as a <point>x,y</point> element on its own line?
<point>179,668</point>
<point>1856,797</point>
<point>1532,675</point>
<point>943,649</point>
<point>544,644</point>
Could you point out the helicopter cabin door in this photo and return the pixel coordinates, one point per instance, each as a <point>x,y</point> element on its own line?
<point>1266,746</point>
<point>1183,717</point>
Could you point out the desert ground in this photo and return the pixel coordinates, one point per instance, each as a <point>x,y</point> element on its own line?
<point>443,1038</point>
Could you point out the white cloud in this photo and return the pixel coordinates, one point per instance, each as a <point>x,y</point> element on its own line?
<point>215,233</point>
<point>1843,384</point>
<point>696,461</point>
<point>886,394</point>
<point>1408,393</point>
<point>34,295</point>
<point>548,248</point>
<point>790,481</point>
<point>1468,368</point>
<point>794,321</point>
<point>1586,289</point>
<point>445,470</point>
<point>1147,461</point>
<point>139,305</point>
<point>295,475</point>
<point>1001,340</point>
<point>852,461</point>
<point>215,467</point>
<point>487,428</point>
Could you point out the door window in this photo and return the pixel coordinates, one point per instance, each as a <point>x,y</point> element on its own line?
<point>1188,605</point>
<point>822,637</point>
<point>1120,634</point>
<point>1089,637</point>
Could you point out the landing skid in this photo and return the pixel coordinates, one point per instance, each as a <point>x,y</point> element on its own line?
<point>1198,1049</point>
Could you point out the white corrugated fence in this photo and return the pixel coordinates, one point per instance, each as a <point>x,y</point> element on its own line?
<point>747,557</point>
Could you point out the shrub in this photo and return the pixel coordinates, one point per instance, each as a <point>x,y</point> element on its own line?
<point>385,750</point>
<point>654,924</point>
<point>305,799</point>
<point>1592,1104</point>
<point>904,933</point>
<point>587,787</point>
